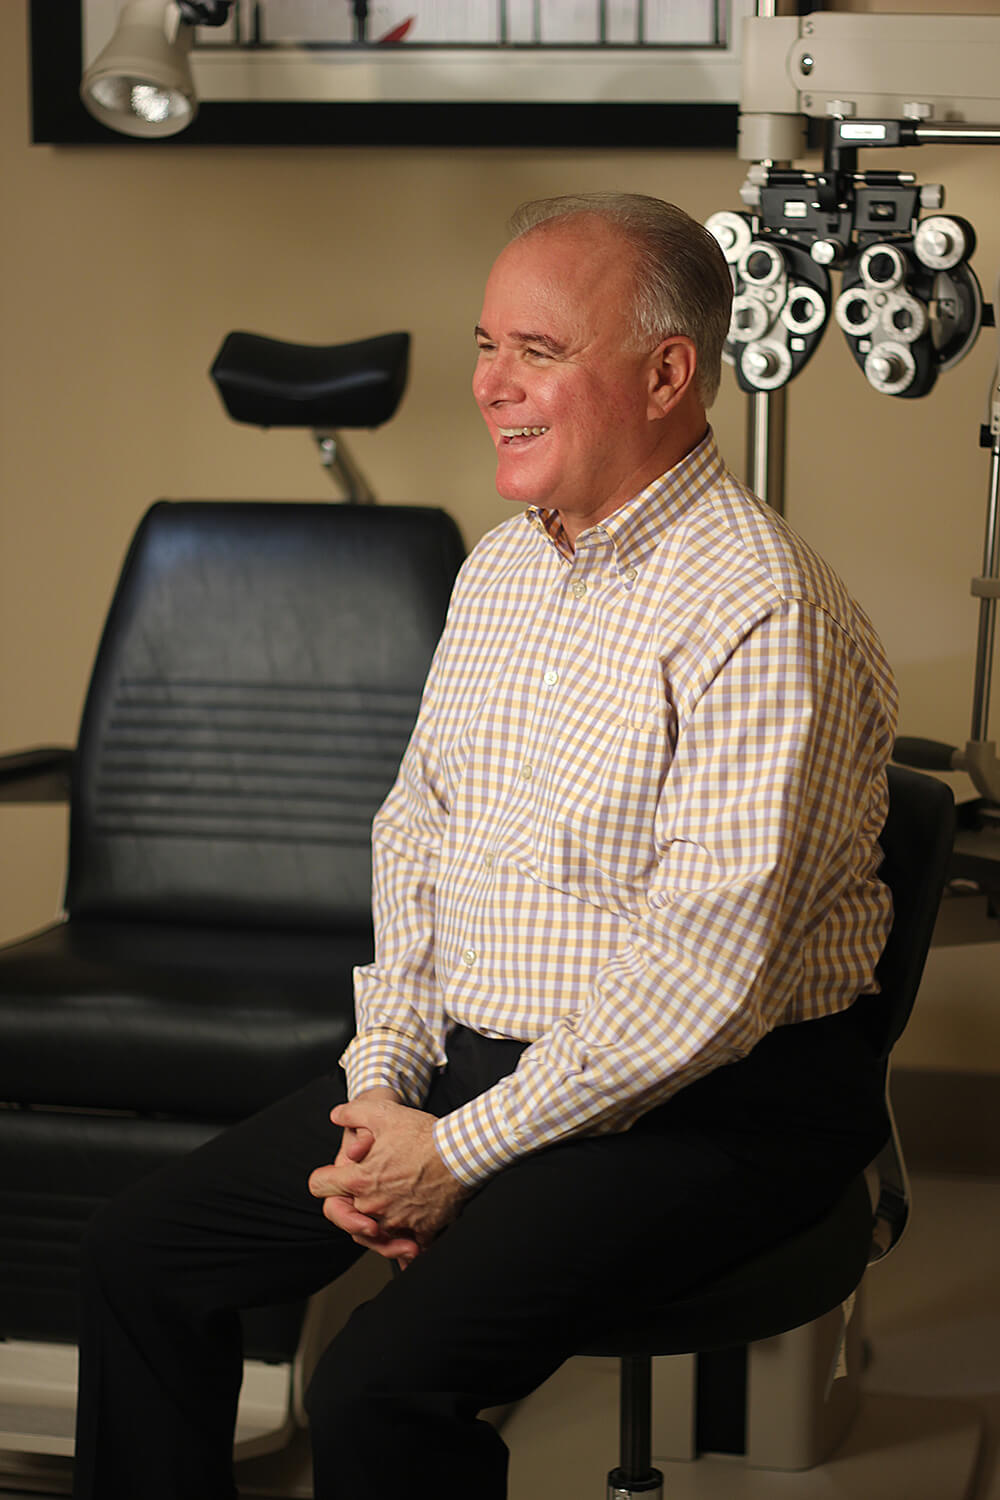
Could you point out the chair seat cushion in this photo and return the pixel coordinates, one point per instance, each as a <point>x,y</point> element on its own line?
<point>799,1279</point>
<point>204,1023</point>
<point>56,1168</point>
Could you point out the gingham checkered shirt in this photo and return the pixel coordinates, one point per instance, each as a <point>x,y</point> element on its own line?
<point>636,825</point>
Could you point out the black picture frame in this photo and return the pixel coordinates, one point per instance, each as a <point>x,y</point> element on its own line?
<point>59,118</point>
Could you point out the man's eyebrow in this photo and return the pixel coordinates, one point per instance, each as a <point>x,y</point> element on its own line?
<point>539,340</point>
<point>542,340</point>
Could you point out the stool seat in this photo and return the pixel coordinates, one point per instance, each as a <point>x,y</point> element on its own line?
<point>805,1277</point>
<point>798,1280</point>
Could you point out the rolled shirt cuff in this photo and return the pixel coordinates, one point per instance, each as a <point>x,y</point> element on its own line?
<point>476,1140</point>
<point>387,1058</point>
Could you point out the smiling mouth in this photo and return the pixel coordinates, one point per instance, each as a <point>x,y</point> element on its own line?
<point>512,434</point>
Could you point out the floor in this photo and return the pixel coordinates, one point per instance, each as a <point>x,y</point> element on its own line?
<point>930,1419</point>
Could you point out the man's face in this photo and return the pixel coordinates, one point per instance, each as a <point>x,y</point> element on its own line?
<point>566,402</point>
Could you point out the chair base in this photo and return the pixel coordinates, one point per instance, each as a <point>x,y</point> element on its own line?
<point>283,1475</point>
<point>620,1487</point>
<point>271,1449</point>
<point>38,1402</point>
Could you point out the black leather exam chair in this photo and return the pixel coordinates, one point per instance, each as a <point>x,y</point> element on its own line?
<point>256,684</point>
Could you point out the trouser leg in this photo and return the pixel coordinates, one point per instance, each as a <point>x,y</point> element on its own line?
<point>561,1246</point>
<point>165,1268</point>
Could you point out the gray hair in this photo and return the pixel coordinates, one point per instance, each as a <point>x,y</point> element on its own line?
<point>682,282</point>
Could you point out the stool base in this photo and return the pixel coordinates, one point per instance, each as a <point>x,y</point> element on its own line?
<point>622,1487</point>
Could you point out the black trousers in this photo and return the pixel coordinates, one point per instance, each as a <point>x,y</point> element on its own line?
<point>548,1255</point>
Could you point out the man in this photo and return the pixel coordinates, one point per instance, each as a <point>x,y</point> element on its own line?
<point>625,897</point>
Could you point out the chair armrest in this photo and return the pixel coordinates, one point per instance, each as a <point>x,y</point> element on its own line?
<point>41,775</point>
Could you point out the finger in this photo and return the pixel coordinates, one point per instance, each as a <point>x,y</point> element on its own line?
<point>351,1116</point>
<point>342,1213</point>
<point>336,1181</point>
<point>322,1184</point>
<point>390,1248</point>
<point>350,1154</point>
<point>368,1232</point>
<point>357,1144</point>
<point>370,1201</point>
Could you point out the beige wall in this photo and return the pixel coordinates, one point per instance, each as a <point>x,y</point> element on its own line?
<point>121,269</point>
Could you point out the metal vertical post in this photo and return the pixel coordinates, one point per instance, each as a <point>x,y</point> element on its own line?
<point>635,1395</point>
<point>765,467</point>
<point>987,605</point>
<point>636,1476</point>
<point>765,447</point>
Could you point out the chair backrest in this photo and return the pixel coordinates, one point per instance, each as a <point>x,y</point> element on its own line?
<point>916,843</point>
<point>255,686</point>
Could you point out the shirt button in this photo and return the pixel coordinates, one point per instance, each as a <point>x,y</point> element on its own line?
<point>469,957</point>
<point>629,573</point>
<point>487,861</point>
<point>551,677</point>
<point>579,589</point>
<point>526,773</point>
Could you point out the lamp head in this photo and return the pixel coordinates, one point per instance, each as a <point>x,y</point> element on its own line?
<point>141,83</point>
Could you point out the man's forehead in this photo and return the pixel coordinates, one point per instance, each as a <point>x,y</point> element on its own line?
<point>525,313</point>
<point>570,260</point>
<point>559,282</point>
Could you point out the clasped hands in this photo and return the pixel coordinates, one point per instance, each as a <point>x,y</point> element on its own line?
<point>388,1188</point>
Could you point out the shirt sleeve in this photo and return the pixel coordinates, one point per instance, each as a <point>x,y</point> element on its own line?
<point>766,835</point>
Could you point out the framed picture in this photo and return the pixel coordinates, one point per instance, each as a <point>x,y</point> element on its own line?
<point>512,73</point>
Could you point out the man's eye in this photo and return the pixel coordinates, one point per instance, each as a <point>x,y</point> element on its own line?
<point>537,353</point>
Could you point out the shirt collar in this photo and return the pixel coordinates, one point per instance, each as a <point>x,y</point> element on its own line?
<point>636,527</point>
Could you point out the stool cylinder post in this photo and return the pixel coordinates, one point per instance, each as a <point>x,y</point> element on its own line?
<point>635,1396</point>
<point>635,1475</point>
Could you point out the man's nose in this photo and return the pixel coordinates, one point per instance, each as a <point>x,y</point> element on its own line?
<point>495,381</point>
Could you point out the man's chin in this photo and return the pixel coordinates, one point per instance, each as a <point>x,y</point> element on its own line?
<point>517,490</point>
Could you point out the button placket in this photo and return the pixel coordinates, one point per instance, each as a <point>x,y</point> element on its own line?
<point>583,566</point>
<point>564,625</point>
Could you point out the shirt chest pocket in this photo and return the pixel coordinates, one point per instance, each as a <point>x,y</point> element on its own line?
<point>597,794</point>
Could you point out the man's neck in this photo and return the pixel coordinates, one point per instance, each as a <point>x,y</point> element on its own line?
<point>568,526</point>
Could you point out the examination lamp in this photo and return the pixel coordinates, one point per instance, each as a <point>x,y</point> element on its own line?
<point>141,83</point>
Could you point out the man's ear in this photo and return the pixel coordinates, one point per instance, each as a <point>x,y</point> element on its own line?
<point>671,375</point>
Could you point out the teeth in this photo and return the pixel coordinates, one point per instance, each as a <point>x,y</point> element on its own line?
<point>509,432</point>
